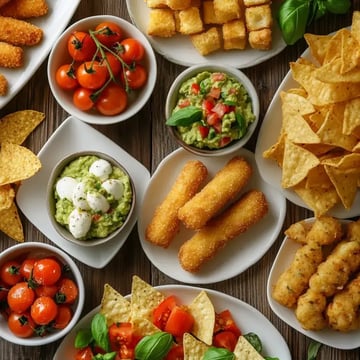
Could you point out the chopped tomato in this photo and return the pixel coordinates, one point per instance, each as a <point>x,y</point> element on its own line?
<point>225,339</point>
<point>184,103</point>
<point>204,131</point>
<point>224,321</point>
<point>195,88</point>
<point>179,322</point>
<point>213,118</point>
<point>218,76</point>
<point>123,339</point>
<point>224,141</point>
<point>162,312</point>
<point>218,127</point>
<point>84,354</point>
<point>215,93</point>
<point>175,353</point>
<point>221,109</point>
<point>207,106</point>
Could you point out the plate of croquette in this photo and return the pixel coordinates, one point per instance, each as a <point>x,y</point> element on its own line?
<point>189,32</point>
<point>28,29</point>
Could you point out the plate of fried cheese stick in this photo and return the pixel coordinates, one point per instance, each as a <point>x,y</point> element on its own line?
<point>28,29</point>
<point>205,220</point>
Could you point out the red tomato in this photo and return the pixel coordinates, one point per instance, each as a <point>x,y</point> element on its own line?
<point>26,268</point>
<point>204,131</point>
<point>131,50</point>
<point>20,297</point>
<point>46,290</point>
<point>225,321</point>
<point>21,325</point>
<point>46,271</point>
<point>65,77</point>
<point>162,312</point>
<point>108,33</point>
<point>225,339</point>
<point>112,101</point>
<point>63,317</point>
<point>136,76</point>
<point>175,353</point>
<point>84,354</point>
<point>92,74</point>
<point>81,46</point>
<point>10,272</point>
<point>82,99</point>
<point>113,62</point>
<point>68,291</point>
<point>43,310</point>
<point>3,291</point>
<point>123,338</point>
<point>179,322</point>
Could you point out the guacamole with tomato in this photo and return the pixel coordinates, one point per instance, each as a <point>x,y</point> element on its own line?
<point>213,109</point>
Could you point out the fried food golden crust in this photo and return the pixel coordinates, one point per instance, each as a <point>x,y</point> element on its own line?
<point>19,32</point>
<point>24,9</point>
<point>326,230</point>
<point>342,312</point>
<point>237,219</point>
<point>165,223</point>
<point>298,231</point>
<point>3,84</point>
<point>3,2</point>
<point>11,56</point>
<point>225,185</point>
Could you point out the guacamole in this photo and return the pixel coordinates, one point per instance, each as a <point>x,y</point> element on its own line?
<point>213,109</point>
<point>92,197</point>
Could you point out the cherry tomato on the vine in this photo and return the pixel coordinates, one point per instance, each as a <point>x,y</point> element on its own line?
<point>131,50</point>
<point>113,62</point>
<point>21,325</point>
<point>81,46</point>
<point>43,310</point>
<point>65,77</point>
<point>63,316</point>
<point>136,76</point>
<point>108,33</point>
<point>67,292</point>
<point>46,271</point>
<point>113,100</point>
<point>20,297</point>
<point>92,74</point>
<point>26,268</point>
<point>82,99</point>
<point>10,272</point>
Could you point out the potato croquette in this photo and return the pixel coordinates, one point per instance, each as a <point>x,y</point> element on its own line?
<point>165,223</point>
<point>326,230</point>
<point>19,32</point>
<point>225,185</point>
<point>3,85</point>
<point>237,219</point>
<point>24,9</point>
<point>11,56</point>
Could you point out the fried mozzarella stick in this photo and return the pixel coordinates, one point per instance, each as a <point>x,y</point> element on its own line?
<point>165,223</point>
<point>19,32</point>
<point>237,219</point>
<point>24,9</point>
<point>11,56</point>
<point>3,85</point>
<point>225,185</point>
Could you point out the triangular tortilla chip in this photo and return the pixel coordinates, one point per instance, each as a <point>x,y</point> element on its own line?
<point>245,351</point>
<point>10,223</point>
<point>7,195</point>
<point>193,348</point>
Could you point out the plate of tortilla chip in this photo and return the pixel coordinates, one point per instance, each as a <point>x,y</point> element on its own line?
<point>203,304</point>
<point>309,139</point>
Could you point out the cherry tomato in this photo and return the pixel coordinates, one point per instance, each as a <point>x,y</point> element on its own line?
<point>81,46</point>
<point>3,291</point>
<point>162,312</point>
<point>65,77</point>
<point>123,338</point>
<point>113,62</point>
<point>68,291</point>
<point>108,33</point>
<point>46,290</point>
<point>84,354</point>
<point>20,297</point>
<point>113,100</point>
<point>10,272</point>
<point>131,50</point>
<point>82,99</point>
<point>26,268</point>
<point>21,325</point>
<point>63,317</point>
<point>225,339</point>
<point>175,353</point>
<point>46,271</point>
<point>179,322</point>
<point>225,321</point>
<point>92,74</point>
<point>136,76</point>
<point>43,310</point>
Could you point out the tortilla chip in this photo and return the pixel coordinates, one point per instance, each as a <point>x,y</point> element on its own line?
<point>295,103</point>
<point>276,151</point>
<point>7,195</point>
<point>245,351</point>
<point>348,161</point>
<point>193,348</point>
<point>350,53</point>
<point>318,45</point>
<point>355,26</point>
<point>351,116</point>
<point>17,126</point>
<point>10,223</point>
<point>333,50</point>
<point>143,326</point>
<point>17,163</point>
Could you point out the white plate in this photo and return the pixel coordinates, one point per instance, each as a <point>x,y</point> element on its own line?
<point>240,253</point>
<point>180,50</point>
<point>52,24</point>
<point>71,136</point>
<point>268,135</point>
<point>328,337</point>
<point>247,318</point>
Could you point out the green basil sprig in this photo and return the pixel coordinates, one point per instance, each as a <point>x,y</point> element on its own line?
<point>185,116</point>
<point>154,347</point>
<point>214,353</point>
<point>313,350</point>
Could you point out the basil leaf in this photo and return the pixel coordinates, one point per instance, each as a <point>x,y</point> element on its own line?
<point>214,353</point>
<point>271,358</point>
<point>254,340</point>
<point>185,116</point>
<point>99,332</point>
<point>83,338</point>
<point>313,350</point>
<point>337,6</point>
<point>292,17</point>
<point>107,356</point>
<point>154,347</point>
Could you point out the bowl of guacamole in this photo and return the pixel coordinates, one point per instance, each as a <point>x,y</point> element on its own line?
<point>212,109</point>
<point>90,198</point>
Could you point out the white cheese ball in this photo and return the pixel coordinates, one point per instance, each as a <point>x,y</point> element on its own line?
<point>79,223</point>
<point>65,187</point>
<point>101,168</point>
<point>97,202</point>
<point>79,197</point>
<point>114,187</point>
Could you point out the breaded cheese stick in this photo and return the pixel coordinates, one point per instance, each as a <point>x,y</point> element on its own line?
<point>165,223</point>
<point>11,56</point>
<point>19,32</point>
<point>3,85</point>
<point>207,242</point>
<point>225,185</point>
<point>24,9</point>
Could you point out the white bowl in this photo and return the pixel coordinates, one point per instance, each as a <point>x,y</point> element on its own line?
<point>59,55</point>
<point>192,71</point>
<point>50,201</point>
<point>38,249</point>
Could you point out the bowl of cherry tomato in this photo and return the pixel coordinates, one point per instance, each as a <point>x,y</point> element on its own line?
<point>102,70</point>
<point>41,294</point>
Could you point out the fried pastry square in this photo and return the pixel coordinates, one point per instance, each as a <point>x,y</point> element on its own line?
<point>258,17</point>
<point>190,21</point>
<point>207,41</point>
<point>161,23</point>
<point>227,10</point>
<point>260,39</point>
<point>234,35</point>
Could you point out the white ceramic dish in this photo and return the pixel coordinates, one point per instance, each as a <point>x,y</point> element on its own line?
<point>328,337</point>
<point>268,135</point>
<point>60,13</point>
<point>59,56</point>
<point>71,136</point>
<point>179,49</point>
<point>247,318</point>
<point>240,253</point>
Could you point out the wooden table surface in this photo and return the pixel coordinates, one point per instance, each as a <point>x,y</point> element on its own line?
<point>149,143</point>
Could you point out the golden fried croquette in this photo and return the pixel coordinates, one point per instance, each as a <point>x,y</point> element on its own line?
<point>165,223</point>
<point>3,85</point>
<point>237,219</point>
<point>298,231</point>
<point>190,21</point>
<point>326,230</point>
<point>11,56</point>
<point>161,23</point>
<point>353,231</point>
<point>207,41</point>
<point>224,186</point>
<point>25,9</point>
